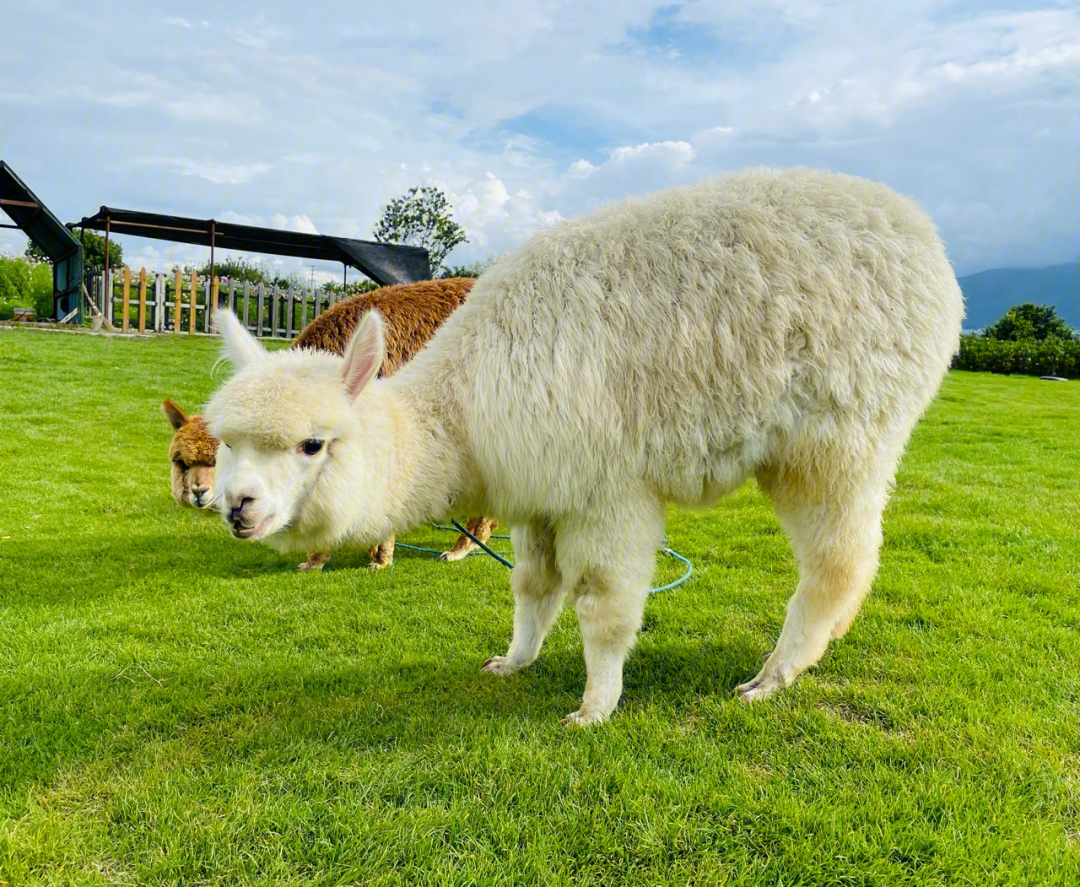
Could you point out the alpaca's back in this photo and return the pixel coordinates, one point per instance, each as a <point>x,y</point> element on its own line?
<point>686,340</point>
<point>412,312</point>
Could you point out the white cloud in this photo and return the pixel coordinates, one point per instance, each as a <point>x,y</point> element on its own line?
<point>215,172</point>
<point>630,169</point>
<point>208,108</point>
<point>299,223</point>
<point>673,153</point>
<point>581,169</point>
<point>260,39</point>
<point>479,209</point>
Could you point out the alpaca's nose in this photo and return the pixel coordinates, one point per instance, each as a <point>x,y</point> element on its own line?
<point>237,514</point>
<point>198,493</point>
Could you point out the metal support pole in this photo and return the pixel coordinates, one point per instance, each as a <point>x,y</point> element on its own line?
<point>106,297</point>
<point>213,234</point>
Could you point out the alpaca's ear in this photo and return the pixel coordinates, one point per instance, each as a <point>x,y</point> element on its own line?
<point>364,354</point>
<point>175,415</point>
<point>239,345</point>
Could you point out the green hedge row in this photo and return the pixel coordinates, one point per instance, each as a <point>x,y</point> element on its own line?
<point>1046,357</point>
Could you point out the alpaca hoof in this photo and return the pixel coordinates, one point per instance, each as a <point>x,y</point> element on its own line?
<point>448,556</point>
<point>499,665</point>
<point>761,687</point>
<point>583,718</point>
<point>378,565</point>
<point>308,567</point>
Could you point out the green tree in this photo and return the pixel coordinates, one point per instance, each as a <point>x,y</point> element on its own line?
<point>9,292</point>
<point>474,269</point>
<point>237,270</point>
<point>421,217</point>
<point>25,284</point>
<point>355,288</point>
<point>41,289</point>
<point>93,251</point>
<point>1028,322</point>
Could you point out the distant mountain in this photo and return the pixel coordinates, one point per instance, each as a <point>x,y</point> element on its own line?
<point>989,294</point>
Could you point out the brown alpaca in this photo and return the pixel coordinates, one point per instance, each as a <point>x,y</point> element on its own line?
<point>412,312</point>
<point>192,454</point>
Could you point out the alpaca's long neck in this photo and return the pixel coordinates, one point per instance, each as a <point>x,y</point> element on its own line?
<point>428,470</point>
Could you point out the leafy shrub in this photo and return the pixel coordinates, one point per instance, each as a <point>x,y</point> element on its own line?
<point>1029,340</point>
<point>1052,356</point>
<point>25,284</point>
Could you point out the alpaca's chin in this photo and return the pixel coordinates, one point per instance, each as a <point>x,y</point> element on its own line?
<point>257,532</point>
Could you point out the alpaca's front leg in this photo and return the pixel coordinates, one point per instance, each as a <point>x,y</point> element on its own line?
<point>609,616</point>
<point>316,560</point>
<point>608,567</point>
<point>538,597</point>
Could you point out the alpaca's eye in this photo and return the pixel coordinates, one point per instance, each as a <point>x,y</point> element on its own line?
<point>311,447</point>
<point>181,464</point>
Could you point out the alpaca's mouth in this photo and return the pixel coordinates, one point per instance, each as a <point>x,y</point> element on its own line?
<point>242,531</point>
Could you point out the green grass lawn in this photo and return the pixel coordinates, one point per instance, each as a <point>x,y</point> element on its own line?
<point>177,707</point>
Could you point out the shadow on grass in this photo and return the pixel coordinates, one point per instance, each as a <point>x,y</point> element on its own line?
<point>111,720</point>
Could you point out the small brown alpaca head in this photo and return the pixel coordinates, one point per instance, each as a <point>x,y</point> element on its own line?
<point>193,453</point>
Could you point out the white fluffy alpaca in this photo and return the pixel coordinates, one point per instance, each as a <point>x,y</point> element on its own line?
<point>786,325</point>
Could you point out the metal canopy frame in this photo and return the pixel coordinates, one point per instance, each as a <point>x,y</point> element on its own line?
<point>385,263</point>
<point>63,249</point>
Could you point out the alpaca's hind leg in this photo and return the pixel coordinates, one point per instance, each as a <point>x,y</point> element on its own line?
<point>538,597</point>
<point>608,571</point>
<point>480,527</point>
<point>382,555</point>
<point>836,544</point>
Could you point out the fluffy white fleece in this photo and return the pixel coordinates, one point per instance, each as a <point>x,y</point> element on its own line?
<point>787,325</point>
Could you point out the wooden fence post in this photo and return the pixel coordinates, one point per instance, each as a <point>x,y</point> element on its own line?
<point>275,308</point>
<point>261,306</point>
<point>303,309</point>
<point>127,298</point>
<point>247,301</point>
<point>194,303</point>
<point>142,301</point>
<point>210,325</point>
<point>178,296</point>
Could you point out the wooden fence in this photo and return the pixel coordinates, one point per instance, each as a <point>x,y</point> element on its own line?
<point>159,302</point>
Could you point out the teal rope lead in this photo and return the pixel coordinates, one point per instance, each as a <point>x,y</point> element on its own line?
<point>665,550</point>
<point>494,554</point>
<point>689,571</point>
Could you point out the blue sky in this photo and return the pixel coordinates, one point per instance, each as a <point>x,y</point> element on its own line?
<point>312,116</point>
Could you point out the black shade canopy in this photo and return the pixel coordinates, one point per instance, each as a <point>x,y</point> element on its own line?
<point>385,263</point>
<point>45,230</point>
<point>30,214</point>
